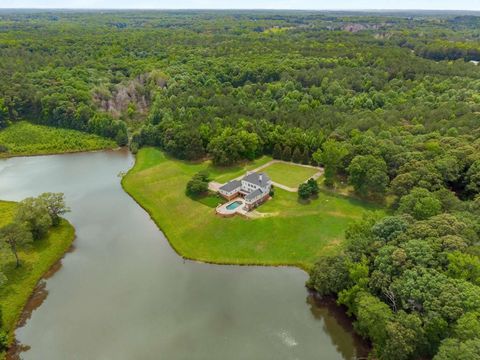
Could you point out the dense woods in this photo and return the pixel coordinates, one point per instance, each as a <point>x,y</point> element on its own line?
<point>388,103</point>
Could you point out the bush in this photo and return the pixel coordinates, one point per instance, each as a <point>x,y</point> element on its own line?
<point>308,189</point>
<point>3,340</point>
<point>198,185</point>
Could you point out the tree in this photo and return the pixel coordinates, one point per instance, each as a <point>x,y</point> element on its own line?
<point>330,156</point>
<point>467,327</point>
<point>34,213</point>
<point>329,275</point>
<point>287,153</point>
<point>308,189</point>
<point>420,203</point>
<point>305,157</point>
<point>277,151</point>
<point>198,185</point>
<point>458,350</point>
<point>404,336</point>
<point>14,236</point>
<point>473,177</point>
<point>3,114</point>
<point>464,266</point>
<point>304,191</point>
<point>368,175</point>
<point>55,204</point>
<point>297,156</point>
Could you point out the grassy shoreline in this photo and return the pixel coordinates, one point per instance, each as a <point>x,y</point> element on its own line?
<point>36,262</point>
<point>294,235</point>
<point>27,139</point>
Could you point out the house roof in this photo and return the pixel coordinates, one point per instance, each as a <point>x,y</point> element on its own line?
<point>254,194</point>
<point>259,179</point>
<point>231,185</point>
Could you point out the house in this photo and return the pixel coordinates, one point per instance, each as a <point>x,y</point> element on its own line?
<point>254,188</point>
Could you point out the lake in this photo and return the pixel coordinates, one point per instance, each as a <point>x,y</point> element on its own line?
<point>123,293</point>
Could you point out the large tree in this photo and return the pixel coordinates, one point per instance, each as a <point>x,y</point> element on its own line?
<point>330,156</point>
<point>368,175</point>
<point>55,204</point>
<point>14,236</point>
<point>34,214</point>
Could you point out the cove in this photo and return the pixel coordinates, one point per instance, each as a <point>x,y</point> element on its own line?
<point>123,293</point>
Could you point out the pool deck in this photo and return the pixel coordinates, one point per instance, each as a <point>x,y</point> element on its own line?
<point>223,210</point>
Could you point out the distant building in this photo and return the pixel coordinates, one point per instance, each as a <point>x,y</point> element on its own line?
<point>254,188</point>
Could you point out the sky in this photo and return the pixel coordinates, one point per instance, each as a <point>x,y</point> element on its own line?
<point>247,4</point>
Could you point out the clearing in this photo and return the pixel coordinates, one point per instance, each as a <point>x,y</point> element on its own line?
<point>24,138</point>
<point>289,174</point>
<point>290,234</point>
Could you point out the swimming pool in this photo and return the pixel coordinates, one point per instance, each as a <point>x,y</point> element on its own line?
<point>234,205</point>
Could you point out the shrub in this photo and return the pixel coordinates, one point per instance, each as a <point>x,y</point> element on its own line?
<point>198,185</point>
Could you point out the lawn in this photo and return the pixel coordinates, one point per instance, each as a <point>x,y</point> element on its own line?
<point>36,261</point>
<point>291,234</point>
<point>290,175</point>
<point>23,138</point>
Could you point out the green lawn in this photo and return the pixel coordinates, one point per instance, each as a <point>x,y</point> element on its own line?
<point>23,138</point>
<point>294,234</point>
<point>224,174</point>
<point>36,261</point>
<point>290,175</point>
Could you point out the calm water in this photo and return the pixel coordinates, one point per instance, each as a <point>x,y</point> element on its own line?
<point>124,294</point>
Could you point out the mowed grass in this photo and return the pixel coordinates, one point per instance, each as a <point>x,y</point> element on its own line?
<point>36,261</point>
<point>24,138</point>
<point>290,234</point>
<point>290,175</point>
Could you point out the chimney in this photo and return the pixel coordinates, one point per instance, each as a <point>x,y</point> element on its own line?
<point>261,178</point>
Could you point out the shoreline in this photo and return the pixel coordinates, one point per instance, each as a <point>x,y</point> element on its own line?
<point>210,262</point>
<point>329,303</point>
<point>34,301</point>
<point>31,302</point>
<point>60,153</point>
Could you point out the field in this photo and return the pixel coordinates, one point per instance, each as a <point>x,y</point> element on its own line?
<point>290,175</point>
<point>290,233</point>
<point>24,138</point>
<point>36,261</point>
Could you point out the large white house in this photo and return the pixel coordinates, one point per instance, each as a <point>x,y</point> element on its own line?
<point>254,188</point>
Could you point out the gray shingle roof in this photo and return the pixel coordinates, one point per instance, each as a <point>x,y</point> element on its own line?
<point>254,178</point>
<point>231,185</point>
<point>253,194</point>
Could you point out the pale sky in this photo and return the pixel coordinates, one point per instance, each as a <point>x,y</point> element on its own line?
<point>246,4</point>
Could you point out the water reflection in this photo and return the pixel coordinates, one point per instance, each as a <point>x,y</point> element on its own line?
<point>338,326</point>
<point>123,293</point>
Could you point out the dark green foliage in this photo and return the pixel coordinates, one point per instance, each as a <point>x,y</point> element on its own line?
<point>3,340</point>
<point>330,156</point>
<point>308,189</point>
<point>198,185</point>
<point>380,106</point>
<point>287,153</point>
<point>277,152</point>
<point>420,203</point>
<point>413,285</point>
<point>297,156</point>
<point>368,175</point>
<point>329,276</point>
<point>3,114</point>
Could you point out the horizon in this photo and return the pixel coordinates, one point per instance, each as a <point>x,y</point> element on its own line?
<point>300,5</point>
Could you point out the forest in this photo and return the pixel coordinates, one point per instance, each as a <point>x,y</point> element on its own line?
<point>386,102</point>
